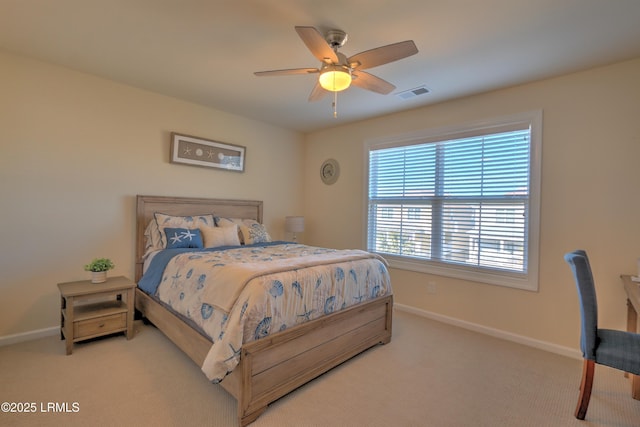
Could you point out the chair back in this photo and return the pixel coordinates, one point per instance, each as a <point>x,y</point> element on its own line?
<point>579,263</point>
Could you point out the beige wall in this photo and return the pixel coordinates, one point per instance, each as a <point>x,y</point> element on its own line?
<point>74,152</point>
<point>590,199</point>
<point>76,149</point>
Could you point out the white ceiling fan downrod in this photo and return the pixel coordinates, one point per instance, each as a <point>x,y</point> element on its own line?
<point>335,105</point>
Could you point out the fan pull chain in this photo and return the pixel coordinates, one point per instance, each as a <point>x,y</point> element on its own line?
<point>335,105</point>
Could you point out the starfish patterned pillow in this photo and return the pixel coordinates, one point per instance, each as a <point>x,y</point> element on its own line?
<point>183,238</point>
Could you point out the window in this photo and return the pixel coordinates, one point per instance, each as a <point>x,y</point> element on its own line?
<point>460,202</point>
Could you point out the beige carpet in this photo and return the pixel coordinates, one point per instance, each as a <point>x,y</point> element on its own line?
<point>431,374</point>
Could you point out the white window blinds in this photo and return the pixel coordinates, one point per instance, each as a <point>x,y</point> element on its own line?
<point>462,201</point>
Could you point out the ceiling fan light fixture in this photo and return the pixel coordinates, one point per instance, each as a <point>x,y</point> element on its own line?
<point>335,78</point>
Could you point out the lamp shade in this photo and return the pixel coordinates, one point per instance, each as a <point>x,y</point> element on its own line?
<point>294,224</point>
<point>335,78</point>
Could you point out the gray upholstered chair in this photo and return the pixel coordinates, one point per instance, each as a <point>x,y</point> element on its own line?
<point>617,349</point>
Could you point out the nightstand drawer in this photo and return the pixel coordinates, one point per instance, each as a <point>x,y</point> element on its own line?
<point>99,326</point>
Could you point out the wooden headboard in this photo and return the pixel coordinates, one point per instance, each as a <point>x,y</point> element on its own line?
<point>146,206</point>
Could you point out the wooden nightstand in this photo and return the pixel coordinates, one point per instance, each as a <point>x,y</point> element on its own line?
<point>89,310</point>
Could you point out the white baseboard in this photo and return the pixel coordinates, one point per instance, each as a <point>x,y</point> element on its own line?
<point>28,336</point>
<point>520,339</point>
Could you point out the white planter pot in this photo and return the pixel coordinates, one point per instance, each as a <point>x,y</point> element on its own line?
<point>98,276</point>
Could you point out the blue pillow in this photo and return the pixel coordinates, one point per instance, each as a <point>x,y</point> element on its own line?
<point>183,238</point>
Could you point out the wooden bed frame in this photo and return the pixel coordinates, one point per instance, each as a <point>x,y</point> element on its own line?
<point>271,367</point>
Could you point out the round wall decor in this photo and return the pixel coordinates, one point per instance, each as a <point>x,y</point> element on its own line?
<point>329,171</point>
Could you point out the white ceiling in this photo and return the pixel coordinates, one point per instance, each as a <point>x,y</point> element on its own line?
<point>206,51</point>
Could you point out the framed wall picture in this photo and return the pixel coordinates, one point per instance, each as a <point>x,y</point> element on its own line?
<point>196,151</point>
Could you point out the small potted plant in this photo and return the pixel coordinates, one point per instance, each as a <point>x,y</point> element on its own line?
<point>98,268</point>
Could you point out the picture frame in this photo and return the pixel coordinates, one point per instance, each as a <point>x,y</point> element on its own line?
<point>196,151</point>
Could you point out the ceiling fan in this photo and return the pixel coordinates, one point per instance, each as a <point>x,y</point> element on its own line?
<point>337,72</point>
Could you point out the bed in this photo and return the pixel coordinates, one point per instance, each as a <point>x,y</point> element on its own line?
<point>281,361</point>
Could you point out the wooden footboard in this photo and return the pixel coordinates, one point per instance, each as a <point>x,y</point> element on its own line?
<point>278,364</point>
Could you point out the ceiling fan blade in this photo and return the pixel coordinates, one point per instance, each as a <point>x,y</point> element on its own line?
<point>317,93</point>
<point>287,72</point>
<point>317,44</point>
<point>383,55</point>
<point>370,82</point>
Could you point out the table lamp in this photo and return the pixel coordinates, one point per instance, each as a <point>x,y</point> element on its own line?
<point>294,224</point>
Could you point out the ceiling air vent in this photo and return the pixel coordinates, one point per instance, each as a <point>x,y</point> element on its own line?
<point>412,93</point>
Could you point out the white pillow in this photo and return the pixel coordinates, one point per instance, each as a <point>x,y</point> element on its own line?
<point>226,222</point>
<point>152,238</point>
<point>220,236</point>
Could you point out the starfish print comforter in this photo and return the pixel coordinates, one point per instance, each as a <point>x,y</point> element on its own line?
<point>240,294</point>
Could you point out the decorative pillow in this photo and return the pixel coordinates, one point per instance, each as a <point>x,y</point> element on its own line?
<point>152,238</point>
<point>190,222</point>
<point>183,238</point>
<point>254,233</point>
<point>220,236</point>
<point>227,222</point>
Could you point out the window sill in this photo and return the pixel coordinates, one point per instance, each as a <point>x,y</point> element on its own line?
<point>487,276</point>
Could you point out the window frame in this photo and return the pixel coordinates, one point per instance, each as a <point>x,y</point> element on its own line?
<point>526,281</point>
